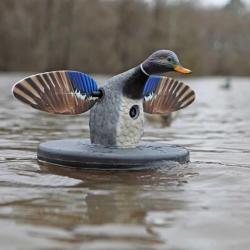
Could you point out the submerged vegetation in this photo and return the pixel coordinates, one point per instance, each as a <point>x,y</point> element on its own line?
<point>108,36</point>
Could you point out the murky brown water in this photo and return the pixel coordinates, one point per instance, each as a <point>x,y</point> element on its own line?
<point>202,205</point>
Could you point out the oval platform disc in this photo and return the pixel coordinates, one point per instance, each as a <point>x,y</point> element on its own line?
<point>82,154</point>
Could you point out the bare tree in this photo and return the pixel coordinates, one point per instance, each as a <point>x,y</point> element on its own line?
<point>108,36</point>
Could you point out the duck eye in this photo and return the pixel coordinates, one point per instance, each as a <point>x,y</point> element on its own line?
<point>169,59</point>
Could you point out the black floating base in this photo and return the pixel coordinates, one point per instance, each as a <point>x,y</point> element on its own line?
<point>81,154</point>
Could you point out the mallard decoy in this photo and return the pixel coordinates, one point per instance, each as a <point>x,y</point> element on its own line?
<point>116,109</point>
<point>227,83</point>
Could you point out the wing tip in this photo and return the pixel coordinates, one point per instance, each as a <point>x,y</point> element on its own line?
<point>13,88</point>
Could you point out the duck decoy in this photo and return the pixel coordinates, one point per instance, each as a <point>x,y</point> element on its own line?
<point>116,108</point>
<point>227,83</point>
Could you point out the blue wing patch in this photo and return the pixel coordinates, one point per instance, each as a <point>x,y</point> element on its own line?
<point>82,82</point>
<point>151,85</point>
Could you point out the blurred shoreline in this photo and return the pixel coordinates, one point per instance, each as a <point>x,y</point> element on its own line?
<point>109,37</point>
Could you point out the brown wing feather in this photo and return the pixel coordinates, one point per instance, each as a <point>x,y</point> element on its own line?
<point>51,92</point>
<point>170,95</point>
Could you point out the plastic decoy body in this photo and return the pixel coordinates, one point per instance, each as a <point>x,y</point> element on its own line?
<point>116,109</point>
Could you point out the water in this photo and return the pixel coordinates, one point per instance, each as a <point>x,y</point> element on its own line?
<point>201,205</point>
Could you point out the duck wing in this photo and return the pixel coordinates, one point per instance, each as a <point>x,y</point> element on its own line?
<point>164,95</point>
<point>58,92</point>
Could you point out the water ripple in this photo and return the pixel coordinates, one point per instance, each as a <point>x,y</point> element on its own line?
<point>201,205</point>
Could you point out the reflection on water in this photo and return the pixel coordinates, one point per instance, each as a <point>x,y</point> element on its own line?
<point>201,205</point>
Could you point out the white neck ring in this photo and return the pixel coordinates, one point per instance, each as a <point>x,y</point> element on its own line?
<point>143,70</point>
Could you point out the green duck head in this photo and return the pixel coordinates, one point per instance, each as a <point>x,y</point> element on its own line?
<point>163,61</point>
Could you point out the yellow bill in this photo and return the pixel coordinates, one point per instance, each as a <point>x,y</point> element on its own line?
<point>182,70</point>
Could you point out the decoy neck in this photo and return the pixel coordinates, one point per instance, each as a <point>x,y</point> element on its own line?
<point>134,84</point>
<point>159,62</point>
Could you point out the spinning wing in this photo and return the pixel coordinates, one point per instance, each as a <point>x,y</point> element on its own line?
<point>58,92</point>
<point>164,95</point>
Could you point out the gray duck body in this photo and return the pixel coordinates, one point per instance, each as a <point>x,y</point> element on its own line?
<point>110,121</point>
